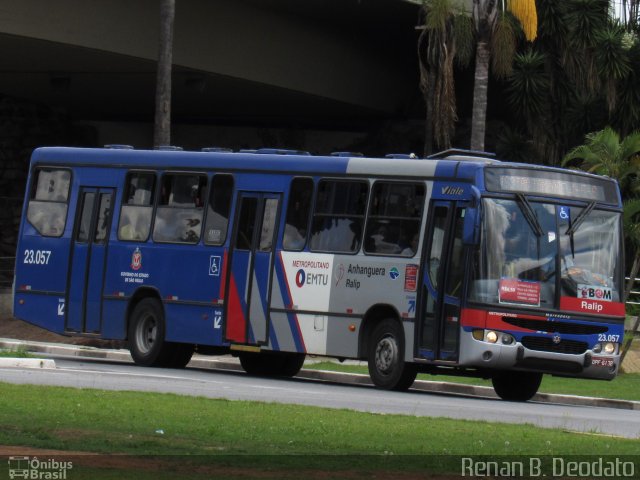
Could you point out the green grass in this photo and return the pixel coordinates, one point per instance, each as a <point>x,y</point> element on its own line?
<point>625,386</point>
<point>20,352</point>
<point>237,435</point>
<point>129,422</point>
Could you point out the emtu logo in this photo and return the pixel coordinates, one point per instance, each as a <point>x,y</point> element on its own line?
<point>300,278</point>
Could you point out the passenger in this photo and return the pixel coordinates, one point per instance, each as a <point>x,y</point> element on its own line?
<point>412,248</point>
<point>128,230</point>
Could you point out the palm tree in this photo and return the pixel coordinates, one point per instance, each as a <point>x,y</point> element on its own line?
<point>486,20</point>
<point>162,124</point>
<point>590,67</point>
<point>446,36</point>
<point>604,154</point>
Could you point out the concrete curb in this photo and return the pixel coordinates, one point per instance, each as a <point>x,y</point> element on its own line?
<point>229,363</point>
<point>26,363</point>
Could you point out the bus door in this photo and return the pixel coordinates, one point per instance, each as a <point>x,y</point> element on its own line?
<point>439,318</point>
<point>252,254</point>
<point>88,260</point>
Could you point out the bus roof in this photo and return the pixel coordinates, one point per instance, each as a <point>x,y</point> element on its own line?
<point>450,165</point>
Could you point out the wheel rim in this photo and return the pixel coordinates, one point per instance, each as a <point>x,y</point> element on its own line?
<point>146,333</point>
<point>386,354</point>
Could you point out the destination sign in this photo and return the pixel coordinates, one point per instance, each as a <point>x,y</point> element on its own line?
<point>551,183</point>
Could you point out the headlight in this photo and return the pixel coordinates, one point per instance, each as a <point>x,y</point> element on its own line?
<point>507,339</point>
<point>478,334</point>
<point>492,337</point>
<point>608,348</point>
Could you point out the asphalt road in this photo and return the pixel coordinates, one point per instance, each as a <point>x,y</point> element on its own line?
<point>111,375</point>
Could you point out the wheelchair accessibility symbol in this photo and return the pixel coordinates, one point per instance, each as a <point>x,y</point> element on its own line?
<point>563,213</point>
<point>214,265</point>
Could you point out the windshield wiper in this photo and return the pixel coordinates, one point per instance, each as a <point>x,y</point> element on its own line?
<point>579,219</point>
<point>529,214</point>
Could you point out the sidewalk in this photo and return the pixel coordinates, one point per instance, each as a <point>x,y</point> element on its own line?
<point>232,363</point>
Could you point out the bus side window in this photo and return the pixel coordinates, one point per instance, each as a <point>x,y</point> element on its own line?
<point>395,214</point>
<point>339,216</point>
<point>218,210</point>
<point>137,207</point>
<point>298,212</point>
<point>180,209</point>
<point>47,210</point>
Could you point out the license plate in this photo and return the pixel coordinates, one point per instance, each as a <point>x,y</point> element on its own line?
<point>602,362</point>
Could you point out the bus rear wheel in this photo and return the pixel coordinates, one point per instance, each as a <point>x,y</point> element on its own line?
<point>147,343</point>
<point>387,367</point>
<point>272,364</point>
<point>516,386</point>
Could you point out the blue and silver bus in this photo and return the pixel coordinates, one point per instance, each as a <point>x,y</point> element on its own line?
<point>458,263</point>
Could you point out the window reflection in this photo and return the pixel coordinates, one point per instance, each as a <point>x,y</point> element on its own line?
<point>339,216</point>
<point>47,209</point>
<point>180,210</point>
<point>514,265</point>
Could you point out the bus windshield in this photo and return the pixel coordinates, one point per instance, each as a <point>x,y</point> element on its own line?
<point>526,246</point>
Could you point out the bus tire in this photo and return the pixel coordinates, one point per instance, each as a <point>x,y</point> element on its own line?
<point>387,367</point>
<point>292,364</point>
<point>146,334</point>
<point>180,355</point>
<point>516,386</point>
<point>253,363</point>
<point>272,364</point>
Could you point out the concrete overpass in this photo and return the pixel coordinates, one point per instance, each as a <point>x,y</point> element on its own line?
<point>339,65</point>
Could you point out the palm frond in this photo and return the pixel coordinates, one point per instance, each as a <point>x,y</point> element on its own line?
<point>503,47</point>
<point>528,84</point>
<point>552,25</point>
<point>630,147</point>
<point>463,33</point>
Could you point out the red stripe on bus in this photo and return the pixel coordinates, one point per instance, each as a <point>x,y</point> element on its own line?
<point>236,323</point>
<point>592,306</point>
<point>223,281</point>
<point>494,320</point>
<point>295,315</point>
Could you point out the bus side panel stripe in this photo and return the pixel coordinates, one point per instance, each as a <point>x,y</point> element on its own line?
<point>223,280</point>
<point>273,339</point>
<point>280,335</point>
<point>295,327</point>
<point>288,302</point>
<point>236,323</point>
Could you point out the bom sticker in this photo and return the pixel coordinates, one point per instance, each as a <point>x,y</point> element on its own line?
<point>594,292</point>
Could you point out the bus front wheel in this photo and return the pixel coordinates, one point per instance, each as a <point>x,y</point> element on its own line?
<point>516,386</point>
<point>387,367</point>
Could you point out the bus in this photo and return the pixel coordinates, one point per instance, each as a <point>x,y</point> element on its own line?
<point>455,264</point>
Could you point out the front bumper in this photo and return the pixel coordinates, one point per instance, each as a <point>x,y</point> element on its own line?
<point>494,356</point>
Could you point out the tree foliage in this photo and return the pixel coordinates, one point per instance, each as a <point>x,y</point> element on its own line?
<point>445,38</point>
<point>591,71</point>
<point>605,153</point>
